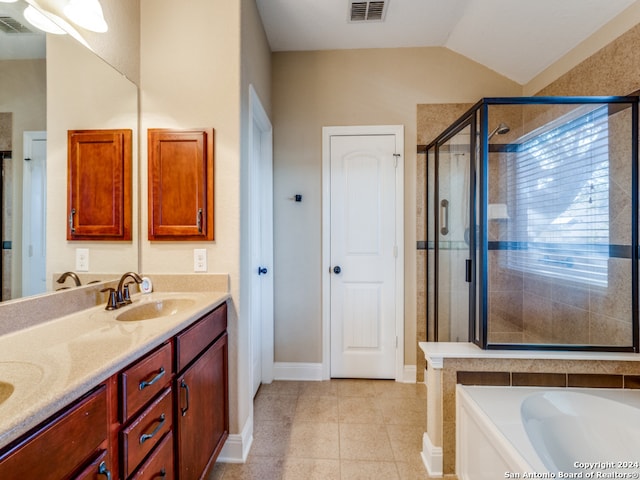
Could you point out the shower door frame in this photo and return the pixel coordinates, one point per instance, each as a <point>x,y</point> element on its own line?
<point>479,184</point>
<point>467,120</point>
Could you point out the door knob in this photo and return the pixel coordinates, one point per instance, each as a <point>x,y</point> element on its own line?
<point>337,269</point>
<point>262,270</point>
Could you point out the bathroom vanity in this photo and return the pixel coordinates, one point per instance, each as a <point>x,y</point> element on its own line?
<point>140,392</point>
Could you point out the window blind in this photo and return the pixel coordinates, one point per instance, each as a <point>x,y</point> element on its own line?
<point>559,182</point>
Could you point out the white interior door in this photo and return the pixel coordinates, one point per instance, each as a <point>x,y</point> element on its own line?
<point>261,244</point>
<point>34,213</point>
<point>363,255</point>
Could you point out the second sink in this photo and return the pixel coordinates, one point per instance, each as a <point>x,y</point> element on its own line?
<point>6,389</point>
<point>155,309</point>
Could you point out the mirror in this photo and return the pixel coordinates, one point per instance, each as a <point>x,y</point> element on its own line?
<point>77,90</point>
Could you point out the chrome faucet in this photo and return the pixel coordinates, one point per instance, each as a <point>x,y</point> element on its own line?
<point>65,275</point>
<point>122,292</point>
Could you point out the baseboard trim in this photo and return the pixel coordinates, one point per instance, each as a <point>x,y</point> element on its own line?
<point>297,371</point>
<point>236,448</point>
<point>410,374</point>
<point>431,457</point>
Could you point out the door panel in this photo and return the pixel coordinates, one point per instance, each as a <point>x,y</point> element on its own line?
<point>363,337</point>
<point>34,210</point>
<point>452,233</point>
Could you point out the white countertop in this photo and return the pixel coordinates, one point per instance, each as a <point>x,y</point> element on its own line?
<point>53,363</point>
<point>436,352</point>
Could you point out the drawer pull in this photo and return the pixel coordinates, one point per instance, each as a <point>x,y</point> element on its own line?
<point>103,470</point>
<point>163,473</point>
<point>183,410</point>
<point>146,436</point>
<point>144,383</point>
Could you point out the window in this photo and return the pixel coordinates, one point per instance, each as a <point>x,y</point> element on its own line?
<point>559,183</point>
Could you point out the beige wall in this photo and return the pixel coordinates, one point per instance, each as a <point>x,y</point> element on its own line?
<point>22,92</point>
<point>83,92</point>
<point>348,87</point>
<point>195,78</point>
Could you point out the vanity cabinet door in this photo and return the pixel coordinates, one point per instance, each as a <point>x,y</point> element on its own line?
<point>99,185</point>
<point>180,184</point>
<point>202,417</point>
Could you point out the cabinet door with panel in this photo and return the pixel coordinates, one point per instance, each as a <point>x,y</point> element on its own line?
<point>99,185</point>
<point>180,184</point>
<point>202,417</point>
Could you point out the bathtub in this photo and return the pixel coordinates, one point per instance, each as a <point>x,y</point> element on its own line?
<point>531,432</point>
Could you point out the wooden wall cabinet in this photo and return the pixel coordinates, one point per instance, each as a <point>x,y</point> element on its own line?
<point>99,185</point>
<point>180,184</point>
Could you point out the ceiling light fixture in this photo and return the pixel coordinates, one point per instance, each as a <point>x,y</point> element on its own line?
<point>87,14</point>
<point>44,22</point>
<point>8,1</point>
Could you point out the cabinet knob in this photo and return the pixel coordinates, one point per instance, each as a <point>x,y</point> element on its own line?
<point>262,270</point>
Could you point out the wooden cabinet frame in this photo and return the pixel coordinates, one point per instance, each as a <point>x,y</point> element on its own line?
<point>99,185</point>
<point>181,184</point>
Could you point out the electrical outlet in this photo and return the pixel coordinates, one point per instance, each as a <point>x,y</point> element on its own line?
<point>82,259</point>
<point>199,260</point>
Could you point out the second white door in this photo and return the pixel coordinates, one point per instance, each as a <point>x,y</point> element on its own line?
<point>34,212</point>
<point>363,255</point>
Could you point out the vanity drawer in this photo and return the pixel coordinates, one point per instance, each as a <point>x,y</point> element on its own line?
<point>139,438</point>
<point>195,339</point>
<point>160,462</point>
<point>144,379</point>
<point>62,445</point>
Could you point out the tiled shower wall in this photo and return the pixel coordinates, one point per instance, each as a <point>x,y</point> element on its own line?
<point>614,70</point>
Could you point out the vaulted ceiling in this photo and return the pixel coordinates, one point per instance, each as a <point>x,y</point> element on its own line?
<point>516,38</point>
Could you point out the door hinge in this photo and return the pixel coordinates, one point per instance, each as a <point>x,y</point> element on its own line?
<point>395,251</point>
<point>396,341</point>
<point>396,156</point>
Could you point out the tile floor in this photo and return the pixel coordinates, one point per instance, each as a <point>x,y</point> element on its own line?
<point>338,429</point>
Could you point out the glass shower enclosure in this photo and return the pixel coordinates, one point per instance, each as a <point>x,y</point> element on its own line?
<point>532,225</point>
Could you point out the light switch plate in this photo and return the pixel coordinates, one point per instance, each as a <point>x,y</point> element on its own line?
<point>199,260</point>
<point>82,259</point>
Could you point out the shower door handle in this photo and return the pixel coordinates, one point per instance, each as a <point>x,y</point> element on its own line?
<point>444,216</point>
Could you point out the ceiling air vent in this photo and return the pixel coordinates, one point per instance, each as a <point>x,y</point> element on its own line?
<point>368,11</point>
<point>11,25</point>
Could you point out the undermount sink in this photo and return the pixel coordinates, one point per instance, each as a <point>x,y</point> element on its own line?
<point>6,389</point>
<point>155,309</point>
